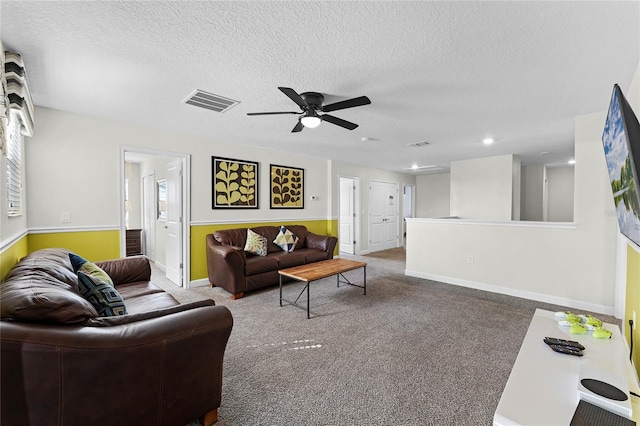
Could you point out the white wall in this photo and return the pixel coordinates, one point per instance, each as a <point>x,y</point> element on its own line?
<point>81,154</point>
<point>560,188</point>
<point>567,264</point>
<point>482,188</point>
<point>366,175</point>
<point>433,195</point>
<point>531,195</point>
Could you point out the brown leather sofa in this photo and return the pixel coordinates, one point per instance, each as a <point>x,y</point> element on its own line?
<point>62,364</point>
<point>238,272</point>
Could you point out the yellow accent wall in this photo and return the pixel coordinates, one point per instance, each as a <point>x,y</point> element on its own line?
<point>633,302</point>
<point>12,255</point>
<point>199,234</point>
<point>92,245</point>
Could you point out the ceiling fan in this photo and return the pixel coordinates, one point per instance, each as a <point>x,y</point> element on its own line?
<point>311,103</point>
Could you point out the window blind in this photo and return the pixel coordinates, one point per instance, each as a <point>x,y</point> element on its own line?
<point>14,166</point>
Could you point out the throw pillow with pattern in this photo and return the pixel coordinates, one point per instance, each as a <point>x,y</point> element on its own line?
<point>256,243</point>
<point>80,264</point>
<point>286,240</point>
<point>103,296</point>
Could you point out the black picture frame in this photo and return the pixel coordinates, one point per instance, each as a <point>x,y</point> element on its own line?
<point>234,183</point>
<point>286,187</point>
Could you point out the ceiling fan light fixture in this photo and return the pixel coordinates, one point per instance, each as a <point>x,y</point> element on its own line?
<point>311,121</point>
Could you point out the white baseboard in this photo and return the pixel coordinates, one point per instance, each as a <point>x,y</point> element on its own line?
<point>202,282</point>
<point>546,298</point>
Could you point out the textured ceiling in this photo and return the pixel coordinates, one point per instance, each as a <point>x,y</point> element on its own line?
<point>451,73</point>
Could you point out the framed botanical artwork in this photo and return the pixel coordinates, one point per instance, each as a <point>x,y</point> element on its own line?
<point>235,183</point>
<point>287,187</point>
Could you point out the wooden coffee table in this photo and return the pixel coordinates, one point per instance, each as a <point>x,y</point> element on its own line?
<point>319,270</point>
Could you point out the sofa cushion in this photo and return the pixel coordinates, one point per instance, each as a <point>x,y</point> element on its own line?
<point>289,260</point>
<point>231,237</point>
<point>127,269</point>
<point>270,233</point>
<point>102,295</point>
<point>286,240</point>
<point>80,264</point>
<point>301,232</point>
<point>150,302</point>
<point>312,255</point>
<point>135,289</point>
<point>256,243</point>
<point>258,264</point>
<point>42,287</point>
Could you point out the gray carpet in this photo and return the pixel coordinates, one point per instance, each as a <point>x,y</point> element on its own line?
<point>410,352</point>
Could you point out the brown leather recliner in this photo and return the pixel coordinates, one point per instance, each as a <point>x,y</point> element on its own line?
<point>62,364</point>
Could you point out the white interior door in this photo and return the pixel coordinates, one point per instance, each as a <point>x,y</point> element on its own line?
<point>149,216</point>
<point>383,208</point>
<point>346,232</point>
<point>173,244</point>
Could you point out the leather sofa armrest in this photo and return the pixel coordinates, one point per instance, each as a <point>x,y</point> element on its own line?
<point>170,365</point>
<point>127,269</point>
<point>225,266</point>
<point>325,243</point>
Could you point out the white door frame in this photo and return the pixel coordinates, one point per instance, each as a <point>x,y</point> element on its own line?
<point>356,209</point>
<point>186,203</point>
<point>149,214</point>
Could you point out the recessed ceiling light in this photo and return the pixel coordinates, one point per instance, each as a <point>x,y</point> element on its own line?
<point>417,167</point>
<point>487,141</point>
<point>545,153</point>
<point>572,161</point>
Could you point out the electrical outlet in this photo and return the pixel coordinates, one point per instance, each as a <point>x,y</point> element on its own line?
<point>469,259</point>
<point>65,217</point>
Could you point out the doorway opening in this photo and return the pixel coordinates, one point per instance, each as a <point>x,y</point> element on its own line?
<point>408,208</point>
<point>154,207</point>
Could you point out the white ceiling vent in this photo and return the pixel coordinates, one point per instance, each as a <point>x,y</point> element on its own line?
<point>418,144</point>
<point>210,101</point>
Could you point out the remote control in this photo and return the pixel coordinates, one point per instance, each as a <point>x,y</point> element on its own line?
<point>562,342</point>
<point>566,350</point>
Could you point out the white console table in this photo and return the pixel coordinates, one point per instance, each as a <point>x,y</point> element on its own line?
<point>543,385</point>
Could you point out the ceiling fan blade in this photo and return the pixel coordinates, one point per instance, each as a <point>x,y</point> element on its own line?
<point>294,97</point>
<point>298,127</point>
<point>349,103</point>
<point>272,113</point>
<point>339,121</point>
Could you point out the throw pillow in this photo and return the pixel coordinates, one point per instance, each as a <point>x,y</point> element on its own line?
<point>286,240</point>
<point>256,243</point>
<point>103,296</point>
<point>81,264</point>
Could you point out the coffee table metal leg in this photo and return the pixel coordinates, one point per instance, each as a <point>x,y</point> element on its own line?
<point>308,290</point>
<point>365,280</point>
<point>280,290</point>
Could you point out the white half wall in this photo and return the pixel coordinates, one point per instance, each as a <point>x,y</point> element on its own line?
<point>569,264</point>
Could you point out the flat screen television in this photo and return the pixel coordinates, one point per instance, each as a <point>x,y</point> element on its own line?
<point>621,140</point>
